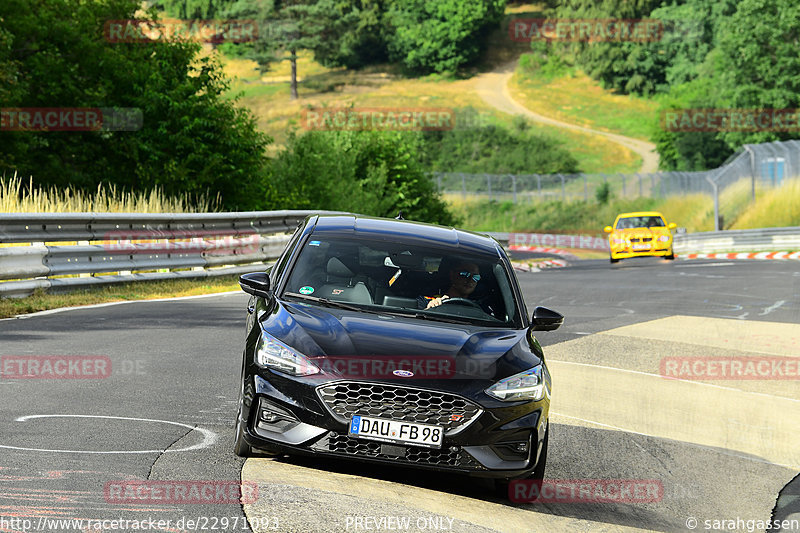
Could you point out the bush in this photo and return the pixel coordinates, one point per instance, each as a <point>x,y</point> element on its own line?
<point>494,149</point>
<point>603,193</point>
<point>371,173</point>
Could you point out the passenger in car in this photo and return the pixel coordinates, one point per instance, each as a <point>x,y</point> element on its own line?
<point>463,279</point>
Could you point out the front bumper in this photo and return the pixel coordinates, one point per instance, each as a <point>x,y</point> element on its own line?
<point>627,253</point>
<point>502,441</point>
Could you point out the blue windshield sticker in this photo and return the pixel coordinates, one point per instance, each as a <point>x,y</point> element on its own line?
<point>313,243</point>
<point>306,290</point>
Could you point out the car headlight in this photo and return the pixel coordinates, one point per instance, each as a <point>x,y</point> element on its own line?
<point>272,353</point>
<point>619,241</point>
<point>528,385</point>
<point>663,238</point>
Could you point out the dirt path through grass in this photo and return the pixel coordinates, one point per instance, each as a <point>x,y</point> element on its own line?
<point>493,88</point>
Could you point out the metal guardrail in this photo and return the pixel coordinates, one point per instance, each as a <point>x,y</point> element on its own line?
<point>751,240</point>
<point>748,240</point>
<point>111,248</point>
<point>104,248</point>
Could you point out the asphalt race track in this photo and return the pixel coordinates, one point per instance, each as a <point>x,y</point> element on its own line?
<point>719,449</point>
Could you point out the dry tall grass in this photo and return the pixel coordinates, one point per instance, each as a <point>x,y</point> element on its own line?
<point>779,207</point>
<point>695,212</point>
<point>16,196</point>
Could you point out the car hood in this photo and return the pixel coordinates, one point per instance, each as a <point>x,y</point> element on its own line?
<point>646,232</point>
<point>335,335</point>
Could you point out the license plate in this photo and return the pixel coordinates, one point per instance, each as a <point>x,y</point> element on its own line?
<point>641,246</point>
<point>385,430</point>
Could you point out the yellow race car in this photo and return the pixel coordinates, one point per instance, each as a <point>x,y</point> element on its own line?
<point>643,233</point>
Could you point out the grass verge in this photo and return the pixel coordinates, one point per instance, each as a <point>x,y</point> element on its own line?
<point>572,96</point>
<point>141,290</point>
<point>268,97</point>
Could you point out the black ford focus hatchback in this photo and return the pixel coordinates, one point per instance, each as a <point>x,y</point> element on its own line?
<point>395,342</point>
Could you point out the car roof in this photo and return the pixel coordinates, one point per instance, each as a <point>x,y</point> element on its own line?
<point>409,231</point>
<point>641,214</point>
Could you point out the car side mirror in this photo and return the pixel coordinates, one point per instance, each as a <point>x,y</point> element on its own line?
<point>545,319</point>
<point>256,283</point>
<point>672,225</point>
<point>607,229</point>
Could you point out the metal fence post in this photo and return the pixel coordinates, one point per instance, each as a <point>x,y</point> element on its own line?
<point>585,189</point>
<point>563,190</point>
<point>640,184</point>
<point>539,184</point>
<point>715,188</point>
<point>514,186</point>
<point>752,171</point>
<point>489,185</point>
<point>463,186</point>
<point>623,185</point>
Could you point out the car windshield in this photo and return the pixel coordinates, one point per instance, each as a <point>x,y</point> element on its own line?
<point>640,222</point>
<point>397,278</point>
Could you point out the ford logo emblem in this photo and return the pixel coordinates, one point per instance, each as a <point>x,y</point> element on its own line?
<point>403,373</point>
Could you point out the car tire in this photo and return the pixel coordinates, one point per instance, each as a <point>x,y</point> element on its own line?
<point>671,256</point>
<point>610,258</point>
<point>240,446</point>
<point>501,485</point>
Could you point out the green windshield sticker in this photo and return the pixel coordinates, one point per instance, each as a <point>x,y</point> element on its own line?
<point>306,290</point>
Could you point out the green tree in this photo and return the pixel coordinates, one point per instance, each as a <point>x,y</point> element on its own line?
<point>759,63</point>
<point>754,65</point>
<point>195,9</point>
<point>439,35</point>
<point>355,38</point>
<point>191,140</point>
<point>689,150</point>
<point>287,26</point>
<point>625,66</point>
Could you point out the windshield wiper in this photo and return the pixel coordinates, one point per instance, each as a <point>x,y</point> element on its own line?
<point>426,316</point>
<point>324,301</point>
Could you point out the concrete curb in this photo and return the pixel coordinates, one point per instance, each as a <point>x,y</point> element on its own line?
<point>744,255</point>
<point>539,265</point>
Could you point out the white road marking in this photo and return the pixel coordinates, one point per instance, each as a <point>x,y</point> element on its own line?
<point>108,304</point>
<point>699,383</point>
<point>209,437</point>
<point>705,265</point>
<point>771,308</point>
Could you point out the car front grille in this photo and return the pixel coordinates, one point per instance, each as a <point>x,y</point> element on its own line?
<point>347,398</point>
<point>452,456</point>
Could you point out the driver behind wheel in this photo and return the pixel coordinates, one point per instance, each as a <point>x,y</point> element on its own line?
<point>464,277</point>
